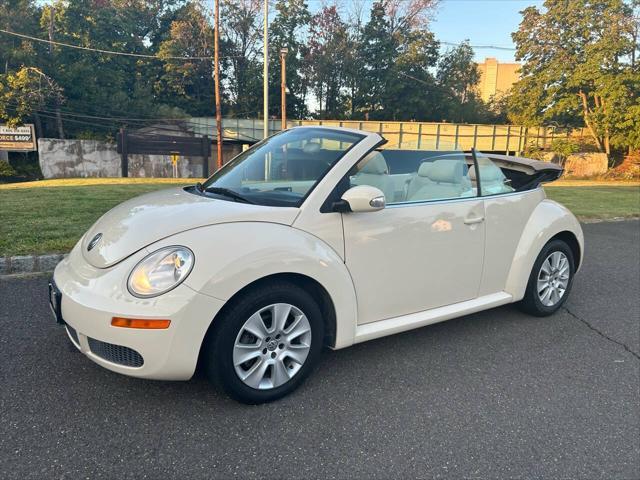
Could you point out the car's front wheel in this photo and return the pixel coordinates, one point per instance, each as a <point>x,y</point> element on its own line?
<point>265,345</point>
<point>550,280</point>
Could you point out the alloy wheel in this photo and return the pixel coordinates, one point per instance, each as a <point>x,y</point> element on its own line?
<point>272,346</point>
<point>553,278</point>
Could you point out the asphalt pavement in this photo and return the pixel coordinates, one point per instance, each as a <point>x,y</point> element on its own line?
<point>498,394</point>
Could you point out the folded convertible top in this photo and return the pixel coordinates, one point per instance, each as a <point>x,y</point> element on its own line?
<point>527,165</point>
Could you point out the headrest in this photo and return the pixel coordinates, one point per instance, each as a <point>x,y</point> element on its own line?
<point>376,165</point>
<point>425,168</point>
<point>490,173</point>
<point>446,171</point>
<point>311,147</point>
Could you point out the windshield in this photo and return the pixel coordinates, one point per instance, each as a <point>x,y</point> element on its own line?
<point>284,168</point>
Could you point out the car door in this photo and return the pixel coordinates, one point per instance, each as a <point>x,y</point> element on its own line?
<point>506,215</point>
<point>425,249</point>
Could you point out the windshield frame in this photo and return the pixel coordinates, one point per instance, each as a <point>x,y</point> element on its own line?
<point>238,159</point>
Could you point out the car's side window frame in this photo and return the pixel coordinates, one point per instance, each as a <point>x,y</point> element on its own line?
<point>474,155</point>
<point>335,194</point>
<point>409,203</point>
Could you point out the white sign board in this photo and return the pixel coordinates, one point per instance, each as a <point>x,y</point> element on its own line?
<point>18,139</point>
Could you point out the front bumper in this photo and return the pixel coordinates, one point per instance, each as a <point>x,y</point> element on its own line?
<point>92,296</point>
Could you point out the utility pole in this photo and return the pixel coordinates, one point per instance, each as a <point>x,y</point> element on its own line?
<point>265,85</point>
<point>216,75</point>
<point>52,15</point>
<point>283,86</point>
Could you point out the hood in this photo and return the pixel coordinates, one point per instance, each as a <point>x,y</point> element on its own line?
<point>148,218</point>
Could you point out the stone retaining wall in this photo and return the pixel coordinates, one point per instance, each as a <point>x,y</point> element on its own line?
<point>586,164</point>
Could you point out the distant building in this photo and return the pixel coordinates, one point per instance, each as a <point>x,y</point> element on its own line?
<point>496,77</point>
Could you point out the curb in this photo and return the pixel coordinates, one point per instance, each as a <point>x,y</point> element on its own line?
<point>29,263</point>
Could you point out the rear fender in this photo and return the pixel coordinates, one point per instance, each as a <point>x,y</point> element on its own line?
<point>547,220</point>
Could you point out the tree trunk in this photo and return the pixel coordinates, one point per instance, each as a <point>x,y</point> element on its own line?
<point>59,124</point>
<point>587,121</point>
<point>38,125</point>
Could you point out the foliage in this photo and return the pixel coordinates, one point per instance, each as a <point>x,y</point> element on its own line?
<point>26,91</point>
<point>395,54</point>
<point>286,31</point>
<point>579,69</point>
<point>327,61</point>
<point>187,84</point>
<point>6,170</point>
<point>458,76</point>
<point>382,68</point>
<point>241,29</point>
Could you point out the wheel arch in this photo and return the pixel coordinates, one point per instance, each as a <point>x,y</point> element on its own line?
<point>549,220</point>
<point>571,240</point>
<point>309,284</point>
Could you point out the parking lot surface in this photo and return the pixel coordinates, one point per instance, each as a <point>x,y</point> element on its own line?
<point>495,394</point>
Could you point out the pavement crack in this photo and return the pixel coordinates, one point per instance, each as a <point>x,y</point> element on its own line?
<point>602,334</point>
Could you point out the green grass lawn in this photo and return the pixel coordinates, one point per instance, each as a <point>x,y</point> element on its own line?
<point>592,203</point>
<point>51,219</point>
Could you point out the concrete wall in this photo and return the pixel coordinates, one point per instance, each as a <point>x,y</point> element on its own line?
<point>92,158</point>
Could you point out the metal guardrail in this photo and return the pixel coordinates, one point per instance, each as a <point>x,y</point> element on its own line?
<point>407,135</point>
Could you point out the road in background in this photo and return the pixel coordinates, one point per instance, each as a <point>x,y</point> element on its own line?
<point>495,394</point>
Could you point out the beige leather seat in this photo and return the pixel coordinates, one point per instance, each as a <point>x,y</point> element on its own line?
<point>375,173</point>
<point>492,179</point>
<point>440,179</point>
<point>311,147</point>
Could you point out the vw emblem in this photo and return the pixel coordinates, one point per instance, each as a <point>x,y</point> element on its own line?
<point>94,241</point>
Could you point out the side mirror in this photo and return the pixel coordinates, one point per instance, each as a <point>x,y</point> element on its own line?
<point>363,198</point>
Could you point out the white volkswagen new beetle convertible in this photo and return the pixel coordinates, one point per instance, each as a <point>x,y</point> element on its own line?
<point>313,237</point>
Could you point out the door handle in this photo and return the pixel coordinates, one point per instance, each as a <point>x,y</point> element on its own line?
<point>471,221</point>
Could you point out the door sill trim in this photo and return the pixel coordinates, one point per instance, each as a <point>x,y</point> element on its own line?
<point>382,328</point>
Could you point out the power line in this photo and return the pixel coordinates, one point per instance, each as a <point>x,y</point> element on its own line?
<point>480,47</point>
<point>109,52</point>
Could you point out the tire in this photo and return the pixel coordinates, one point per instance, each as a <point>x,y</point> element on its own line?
<point>544,303</point>
<point>272,372</point>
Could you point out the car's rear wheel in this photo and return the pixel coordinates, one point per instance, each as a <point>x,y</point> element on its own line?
<point>550,280</point>
<point>266,344</point>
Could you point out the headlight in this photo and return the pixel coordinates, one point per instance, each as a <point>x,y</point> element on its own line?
<point>160,272</point>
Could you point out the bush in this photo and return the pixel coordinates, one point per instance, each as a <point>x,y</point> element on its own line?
<point>563,148</point>
<point>6,170</point>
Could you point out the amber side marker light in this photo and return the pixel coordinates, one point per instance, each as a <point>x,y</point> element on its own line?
<point>140,323</point>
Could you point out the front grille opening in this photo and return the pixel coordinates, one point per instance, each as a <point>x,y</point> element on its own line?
<point>118,354</point>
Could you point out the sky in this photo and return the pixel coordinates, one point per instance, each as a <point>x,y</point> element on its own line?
<point>483,22</point>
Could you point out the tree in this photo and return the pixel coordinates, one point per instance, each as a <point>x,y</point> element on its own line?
<point>395,52</point>
<point>24,93</point>
<point>188,83</point>
<point>376,55</point>
<point>22,16</point>
<point>286,30</point>
<point>326,61</point>
<point>242,30</point>
<point>412,93</point>
<point>579,68</point>
<point>458,77</point>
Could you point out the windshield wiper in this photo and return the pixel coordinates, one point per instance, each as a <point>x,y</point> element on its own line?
<point>227,193</point>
